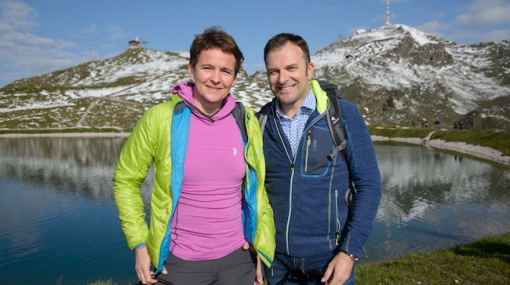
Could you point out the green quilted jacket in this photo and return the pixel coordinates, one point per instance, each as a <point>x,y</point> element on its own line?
<point>160,137</point>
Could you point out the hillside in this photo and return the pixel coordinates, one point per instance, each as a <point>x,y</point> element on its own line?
<point>111,93</point>
<point>399,75</point>
<point>395,74</point>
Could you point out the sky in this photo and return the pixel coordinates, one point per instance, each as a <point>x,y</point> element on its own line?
<point>41,36</point>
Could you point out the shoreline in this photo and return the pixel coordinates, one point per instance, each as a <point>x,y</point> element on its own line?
<point>73,135</point>
<point>461,147</point>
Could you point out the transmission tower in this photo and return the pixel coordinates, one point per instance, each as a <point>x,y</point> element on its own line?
<point>388,13</point>
<point>90,52</point>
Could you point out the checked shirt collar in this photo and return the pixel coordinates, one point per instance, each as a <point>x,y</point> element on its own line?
<point>293,128</point>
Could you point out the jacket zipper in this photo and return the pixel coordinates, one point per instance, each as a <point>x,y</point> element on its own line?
<point>329,205</point>
<point>338,225</point>
<point>292,161</point>
<point>308,142</point>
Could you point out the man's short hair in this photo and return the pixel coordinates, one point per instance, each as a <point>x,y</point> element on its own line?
<point>215,37</point>
<point>281,39</point>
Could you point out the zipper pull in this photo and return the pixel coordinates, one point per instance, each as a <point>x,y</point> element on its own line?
<point>308,140</point>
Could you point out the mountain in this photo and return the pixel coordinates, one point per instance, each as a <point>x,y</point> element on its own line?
<point>110,93</point>
<point>394,74</point>
<point>398,75</point>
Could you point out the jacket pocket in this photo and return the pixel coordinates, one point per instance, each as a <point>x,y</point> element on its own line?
<point>318,145</point>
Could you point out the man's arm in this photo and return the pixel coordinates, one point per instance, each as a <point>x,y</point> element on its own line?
<point>364,171</point>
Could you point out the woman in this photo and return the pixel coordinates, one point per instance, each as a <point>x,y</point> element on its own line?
<point>208,204</point>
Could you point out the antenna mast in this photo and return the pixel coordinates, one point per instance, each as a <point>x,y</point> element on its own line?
<point>90,52</point>
<point>388,13</point>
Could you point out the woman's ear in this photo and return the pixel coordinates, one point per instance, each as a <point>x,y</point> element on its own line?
<point>190,70</point>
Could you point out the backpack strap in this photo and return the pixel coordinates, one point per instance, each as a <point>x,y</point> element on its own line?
<point>238,114</point>
<point>334,118</point>
<point>337,130</point>
<point>262,115</point>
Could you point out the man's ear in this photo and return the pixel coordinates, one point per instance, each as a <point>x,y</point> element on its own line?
<point>310,70</point>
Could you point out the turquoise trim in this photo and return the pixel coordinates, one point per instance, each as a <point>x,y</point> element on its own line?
<point>251,205</point>
<point>179,141</point>
<point>265,256</point>
<point>139,246</point>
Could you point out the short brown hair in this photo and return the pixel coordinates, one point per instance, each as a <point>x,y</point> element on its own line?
<point>215,37</point>
<point>281,39</point>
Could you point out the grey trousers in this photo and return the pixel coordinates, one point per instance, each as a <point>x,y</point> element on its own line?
<point>237,268</point>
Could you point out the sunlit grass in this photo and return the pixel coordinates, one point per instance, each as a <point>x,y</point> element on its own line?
<point>486,261</point>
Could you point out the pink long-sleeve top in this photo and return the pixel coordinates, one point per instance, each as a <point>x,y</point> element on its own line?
<point>207,223</point>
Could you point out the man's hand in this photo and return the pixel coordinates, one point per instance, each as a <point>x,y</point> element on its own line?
<point>143,266</point>
<point>259,280</point>
<point>339,270</point>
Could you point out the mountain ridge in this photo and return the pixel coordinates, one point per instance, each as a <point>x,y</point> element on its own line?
<point>413,75</point>
<point>395,74</point>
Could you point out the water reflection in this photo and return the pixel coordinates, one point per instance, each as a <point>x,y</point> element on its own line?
<point>432,199</point>
<point>433,179</point>
<point>57,216</point>
<point>74,165</point>
<point>56,205</point>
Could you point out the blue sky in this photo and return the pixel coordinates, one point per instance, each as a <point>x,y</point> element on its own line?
<point>40,36</point>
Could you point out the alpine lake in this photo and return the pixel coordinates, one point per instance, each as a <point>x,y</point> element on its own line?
<point>59,223</point>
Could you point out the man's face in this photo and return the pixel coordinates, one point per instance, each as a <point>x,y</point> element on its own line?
<point>288,75</point>
<point>214,75</point>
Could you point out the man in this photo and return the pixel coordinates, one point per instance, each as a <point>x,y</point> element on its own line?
<point>318,236</point>
<point>208,203</point>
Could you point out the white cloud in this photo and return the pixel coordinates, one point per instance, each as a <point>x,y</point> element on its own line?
<point>117,32</point>
<point>434,27</point>
<point>437,15</point>
<point>484,13</point>
<point>326,10</point>
<point>109,46</point>
<point>480,20</point>
<point>18,15</point>
<point>464,36</point>
<point>496,36</point>
<point>24,54</point>
<point>90,29</point>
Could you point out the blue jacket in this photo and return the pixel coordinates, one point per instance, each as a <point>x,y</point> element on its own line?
<point>307,192</point>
